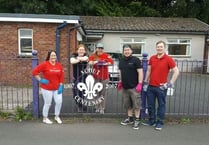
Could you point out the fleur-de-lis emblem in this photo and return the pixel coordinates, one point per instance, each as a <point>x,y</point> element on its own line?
<point>90,89</point>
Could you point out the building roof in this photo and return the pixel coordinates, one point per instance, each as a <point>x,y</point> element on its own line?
<point>41,18</point>
<point>144,24</point>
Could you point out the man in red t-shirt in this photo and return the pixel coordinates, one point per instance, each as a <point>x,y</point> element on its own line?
<point>100,61</point>
<point>157,74</point>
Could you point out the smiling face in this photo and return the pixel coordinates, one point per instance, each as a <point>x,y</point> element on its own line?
<point>81,51</point>
<point>52,57</point>
<point>160,48</point>
<point>127,51</point>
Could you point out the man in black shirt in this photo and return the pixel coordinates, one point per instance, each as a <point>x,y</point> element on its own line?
<point>131,84</point>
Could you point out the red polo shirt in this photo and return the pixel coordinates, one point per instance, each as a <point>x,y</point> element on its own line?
<point>160,69</point>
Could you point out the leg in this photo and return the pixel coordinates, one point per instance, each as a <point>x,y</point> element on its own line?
<point>136,101</point>
<point>47,96</point>
<point>161,98</point>
<point>58,103</point>
<point>151,104</point>
<point>128,106</point>
<point>104,94</point>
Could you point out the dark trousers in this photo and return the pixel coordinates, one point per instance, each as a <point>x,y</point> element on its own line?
<point>153,94</point>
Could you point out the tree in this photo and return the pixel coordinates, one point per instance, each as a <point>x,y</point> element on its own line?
<point>144,8</point>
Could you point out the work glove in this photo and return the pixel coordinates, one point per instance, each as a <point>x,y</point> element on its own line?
<point>120,85</point>
<point>139,87</point>
<point>166,86</point>
<point>43,81</point>
<point>145,86</point>
<point>60,89</point>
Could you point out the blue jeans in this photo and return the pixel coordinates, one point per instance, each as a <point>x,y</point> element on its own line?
<point>154,93</point>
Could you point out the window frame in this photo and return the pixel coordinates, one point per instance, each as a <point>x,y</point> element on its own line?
<point>178,41</point>
<point>24,37</point>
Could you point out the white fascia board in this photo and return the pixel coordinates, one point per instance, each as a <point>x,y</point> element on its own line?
<point>38,20</point>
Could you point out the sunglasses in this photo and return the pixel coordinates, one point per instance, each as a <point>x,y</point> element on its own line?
<point>100,47</point>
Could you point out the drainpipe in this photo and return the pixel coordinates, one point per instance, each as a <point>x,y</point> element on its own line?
<point>59,27</point>
<point>68,48</point>
<point>206,51</point>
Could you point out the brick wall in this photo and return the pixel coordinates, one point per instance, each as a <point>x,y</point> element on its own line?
<point>44,39</point>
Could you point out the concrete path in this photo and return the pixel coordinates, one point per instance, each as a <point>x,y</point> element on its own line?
<point>100,133</point>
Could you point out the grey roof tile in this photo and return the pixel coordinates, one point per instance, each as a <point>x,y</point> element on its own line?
<point>143,24</point>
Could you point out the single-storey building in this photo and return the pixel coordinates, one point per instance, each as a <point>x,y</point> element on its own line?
<point>185,37</point>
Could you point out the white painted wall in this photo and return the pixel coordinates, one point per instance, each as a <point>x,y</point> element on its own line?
<point>112,43</point>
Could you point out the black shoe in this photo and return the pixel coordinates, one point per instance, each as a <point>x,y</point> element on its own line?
<point>136,124</point>
<point>127,121</point>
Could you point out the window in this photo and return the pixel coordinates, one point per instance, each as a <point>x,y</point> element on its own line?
<point>25,39</point>
<point>180,47</point>
<point>137,44</point>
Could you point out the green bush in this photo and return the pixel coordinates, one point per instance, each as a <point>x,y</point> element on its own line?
<point>4,115</point>
<point>21,114</point>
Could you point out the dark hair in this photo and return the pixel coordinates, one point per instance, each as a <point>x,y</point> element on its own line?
<point>127,46</point>
<point>49,53</point>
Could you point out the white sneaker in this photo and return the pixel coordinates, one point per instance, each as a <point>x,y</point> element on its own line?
<point>58,119</point>
<point>47,121</point>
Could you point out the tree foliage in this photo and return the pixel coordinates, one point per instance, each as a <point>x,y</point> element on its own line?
<point>143,8</point>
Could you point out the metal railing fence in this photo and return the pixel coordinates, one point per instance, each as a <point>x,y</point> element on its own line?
<point>190,98</point>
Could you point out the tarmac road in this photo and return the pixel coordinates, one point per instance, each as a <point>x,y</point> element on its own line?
<point>100,133</point>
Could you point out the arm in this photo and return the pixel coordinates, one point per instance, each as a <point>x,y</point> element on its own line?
<point>147,77</point>
<point>38,77</point>
<point>92,60</point>
<point>83,58</point>
<point>109,60</point>
<point>37,70</point>
<point>36,73</point>
<point>74,60</point>
<point>140,75</point>
<point>175,75</point>
<point>62,75</point>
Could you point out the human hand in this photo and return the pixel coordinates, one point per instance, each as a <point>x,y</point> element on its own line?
<point>43,81</point>
<point>166,86</point>
<point>60,89</point>
<point>145,86</point>
<point>120,85</point>
<point>139,87</point>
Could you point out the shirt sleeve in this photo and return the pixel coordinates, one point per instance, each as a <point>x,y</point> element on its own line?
<point>62,74</point>
<point>109,59</point>
<point>38,69</point>
<point>171,62</point>
<point>138,63</point>
<point>91,57</point>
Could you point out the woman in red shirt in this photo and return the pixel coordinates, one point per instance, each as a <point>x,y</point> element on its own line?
<point>100,61</point>
<point>50,75</point>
